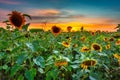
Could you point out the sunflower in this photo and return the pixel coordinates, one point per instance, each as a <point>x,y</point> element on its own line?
<point>61,63</point>
<point>17,19</point>
<point>69,28</point>
<point>68,39</point>
<point>66,44</point>
<point>111,39</point>
<point>118,42</point>
<point>92,33</point>
<point>75,45</point>
<point>55,30</point>
<point>116,56</point>
<point>87,63</point>
<point>85,49</point>
<point>96,46</point>
<point>83,38</point>
<point>105,39</point>
<point>107,46</point>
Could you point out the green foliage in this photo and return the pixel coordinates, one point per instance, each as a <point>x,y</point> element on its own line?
<point>31,55</point>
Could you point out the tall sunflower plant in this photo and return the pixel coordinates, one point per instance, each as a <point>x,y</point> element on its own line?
<point>17,20</point>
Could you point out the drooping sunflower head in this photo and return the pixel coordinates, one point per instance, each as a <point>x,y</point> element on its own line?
<point>60,63</point>
<point>92,33</point>
<point>107,46</point>
<point>56,30</point>
<point>17,19</point>
<point>69,28</point>
<point>111,39</point>
<point>96,47</point>
<point>118,42</point>
<point>87,63</point>
<point>85,49</point>
<point>66,44</point>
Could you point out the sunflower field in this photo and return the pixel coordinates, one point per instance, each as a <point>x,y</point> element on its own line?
<point>57,55</point>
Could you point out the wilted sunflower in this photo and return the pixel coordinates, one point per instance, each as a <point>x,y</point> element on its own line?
<point>87,63</point>
<point>96,46</point>
<point>55,30</point>
<point>61,63</point>
<point>85,49</point>
<point>66,44</point>
<point>107,46</point>
<point>118,42</point>
<point>69,28</point>
<point>17,19</point>
<point>83,38</point>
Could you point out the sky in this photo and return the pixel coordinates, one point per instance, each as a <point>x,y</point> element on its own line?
<point>91,14</point>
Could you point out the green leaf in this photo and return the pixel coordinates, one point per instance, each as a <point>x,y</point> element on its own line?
<point>27,16</point>
<point>25,27</point>
<point>92,78</point>
<point>15,69</point>
<point>2,55</point>
<point>5,66</point>
<point>21,58</point>
<point>75,66</point>
<point>39,61</point>
<point>41,70</point>
<point>29,45</point>
<point>5,21</point>
<point>30,74</point>
<point>21,77</point>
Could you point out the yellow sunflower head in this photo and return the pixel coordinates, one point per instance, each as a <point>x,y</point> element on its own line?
<point>60,63</point>
<point>118,42</point>
<point>87,63</point>
<point>66,44</point>
<point>116,56</point>
<point>105,39</point>
<point>107,46</point>
<point>96,47</point>
<point>83,38</point>
<point>17,19</point>
<point>85,49</point>
<point>75,45</point>
<point>69,28</point>
<point>55,30</point>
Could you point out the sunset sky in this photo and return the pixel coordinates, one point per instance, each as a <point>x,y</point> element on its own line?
<point>92,14</point>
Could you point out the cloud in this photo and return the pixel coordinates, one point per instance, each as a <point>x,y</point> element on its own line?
<point>43,12</point>
<point>10,2</point>
<point>3,14</point>
<point>52,15</point>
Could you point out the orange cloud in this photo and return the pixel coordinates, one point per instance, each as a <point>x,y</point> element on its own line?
<point>47,12</point>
